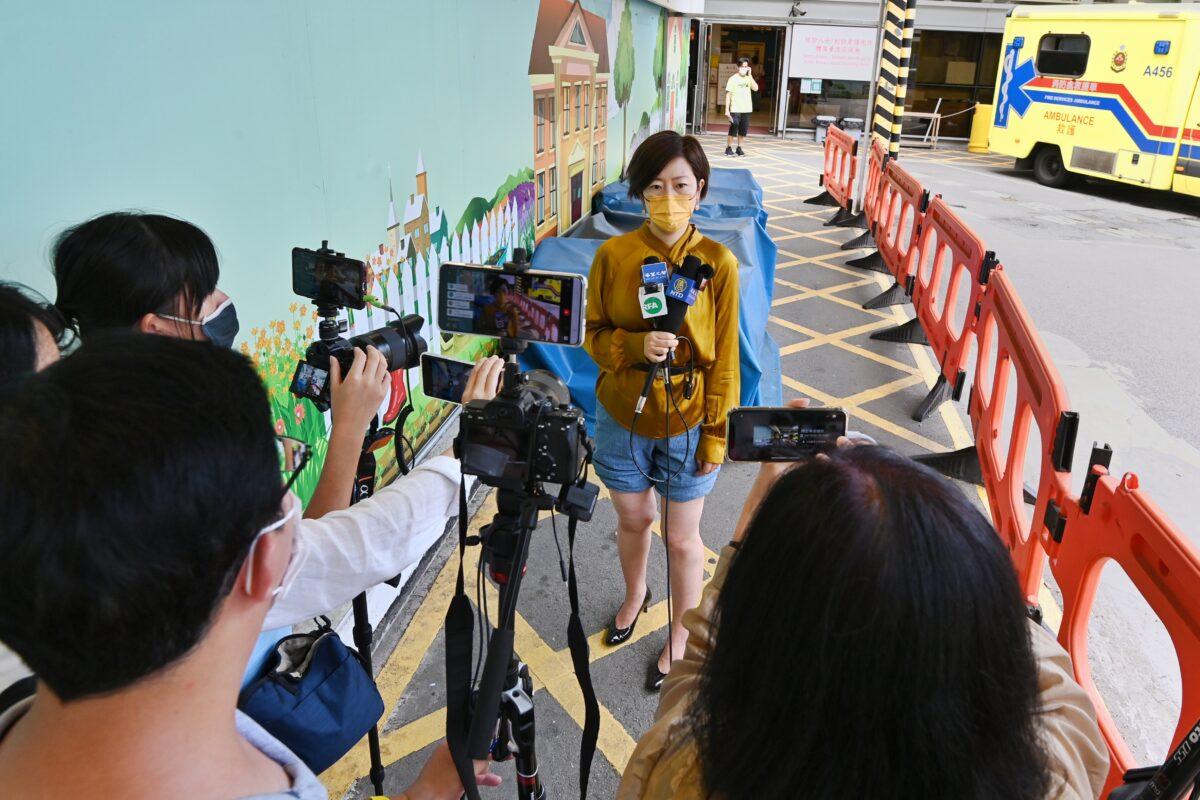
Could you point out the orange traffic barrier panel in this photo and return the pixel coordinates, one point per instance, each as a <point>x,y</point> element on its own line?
<point>951,271</point>
<point>1014,371</point>
<point>837,176</point>
<point>876,162</point>
<point>900,217</point>
<point>1113,520</point>
<point>832,179</point>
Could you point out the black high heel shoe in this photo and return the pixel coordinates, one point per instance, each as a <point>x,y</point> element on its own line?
<point>615,635</point>
<point>654,677</point>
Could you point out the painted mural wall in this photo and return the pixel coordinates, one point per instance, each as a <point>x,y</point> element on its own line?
<point>406,133</point>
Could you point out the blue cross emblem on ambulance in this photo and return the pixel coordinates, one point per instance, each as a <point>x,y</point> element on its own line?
<point>1012,96</point>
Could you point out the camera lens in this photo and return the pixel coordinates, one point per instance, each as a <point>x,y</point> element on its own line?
<point>545,385</point>
<point>400,344</point>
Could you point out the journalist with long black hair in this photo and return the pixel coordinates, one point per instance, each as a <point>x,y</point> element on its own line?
<point>675,446</point>
<point>864,636</point>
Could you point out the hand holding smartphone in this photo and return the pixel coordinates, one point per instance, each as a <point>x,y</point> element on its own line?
<point>783,434</point>
<point>444,378</point>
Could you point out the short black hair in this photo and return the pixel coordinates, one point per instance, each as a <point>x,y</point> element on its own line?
<point>20,309</point>
<point>744,61</point>
<point>660,149</point>
<point>134,474</point>
<point>871,641</point>
<point>495,283</point>
<point>114,269</point>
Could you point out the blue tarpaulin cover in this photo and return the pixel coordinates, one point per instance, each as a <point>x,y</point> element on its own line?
<point>731,193</point>
<point>742,232</point>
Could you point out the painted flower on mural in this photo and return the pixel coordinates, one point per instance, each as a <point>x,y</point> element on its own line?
<point>523,196</point>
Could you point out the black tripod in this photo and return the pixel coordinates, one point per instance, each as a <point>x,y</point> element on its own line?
<point>363,633</point>
<point>509,702</point>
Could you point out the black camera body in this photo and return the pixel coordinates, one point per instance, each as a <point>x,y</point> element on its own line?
<point>335,282</point>
<point>399,342</point>
<point>529,433</point>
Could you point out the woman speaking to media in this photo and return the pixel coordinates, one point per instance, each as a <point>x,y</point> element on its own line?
<point>675,446</point>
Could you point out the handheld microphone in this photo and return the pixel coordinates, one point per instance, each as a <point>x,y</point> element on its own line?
<point>681,293</point>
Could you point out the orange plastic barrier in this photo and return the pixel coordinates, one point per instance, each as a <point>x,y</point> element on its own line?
<point>1023,370</point>
<point>1113,519</point>
<point>841,165</point>
<point>873,183</point>
<point>902,205</point>
<point>875,164</point>
<point>895,224</point>
<point>949,258</point>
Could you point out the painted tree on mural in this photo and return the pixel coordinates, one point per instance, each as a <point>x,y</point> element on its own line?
<point>660,61</point>
<point>623,76</point>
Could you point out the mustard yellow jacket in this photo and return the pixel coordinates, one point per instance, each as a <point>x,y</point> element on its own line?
<point>665,765</point>
<point>616,334</point>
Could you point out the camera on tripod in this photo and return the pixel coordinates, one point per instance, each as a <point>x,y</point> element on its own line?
<point>529,435</point>
<point>334,282</point>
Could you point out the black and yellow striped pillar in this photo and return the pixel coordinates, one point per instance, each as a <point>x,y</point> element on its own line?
<point>892,84</point>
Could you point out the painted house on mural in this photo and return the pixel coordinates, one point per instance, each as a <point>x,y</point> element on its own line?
<point>568,73</point>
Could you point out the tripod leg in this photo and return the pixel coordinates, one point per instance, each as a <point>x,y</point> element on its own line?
<point>362,641</point>
<point>517,712</point>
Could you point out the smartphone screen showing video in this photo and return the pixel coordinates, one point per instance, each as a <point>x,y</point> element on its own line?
<point>329,279</point>
<point>535,306</point>
<point>444,378</point>
<point>783,434</point>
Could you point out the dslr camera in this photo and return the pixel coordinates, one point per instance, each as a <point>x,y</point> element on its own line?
<point>334,282</point>
<point>528,433</point>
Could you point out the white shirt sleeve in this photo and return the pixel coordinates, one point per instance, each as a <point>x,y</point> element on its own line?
<point>346,552</point>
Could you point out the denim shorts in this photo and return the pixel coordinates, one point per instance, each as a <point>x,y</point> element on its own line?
<point>657,458</point>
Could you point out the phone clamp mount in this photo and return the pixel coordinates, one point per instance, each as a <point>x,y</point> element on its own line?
<point>511,348</point>
<point>330,328</point>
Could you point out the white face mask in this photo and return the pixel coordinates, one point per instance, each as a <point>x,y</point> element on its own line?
<point>744,70</point>
<point>299,549</point>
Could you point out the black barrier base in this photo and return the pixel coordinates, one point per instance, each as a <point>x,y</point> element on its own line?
<point>893,296</point>
<point>961,464</point>
<point>842,218</point>
<point>858,220</point>
<point>823,199</point>
<point>871,261</point>
<point>864,239</point>
<point>939,394</point>
<point>908,333</point>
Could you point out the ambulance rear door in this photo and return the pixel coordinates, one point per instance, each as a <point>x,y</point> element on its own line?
<point>1143,83</point>
<point>1187,167</point>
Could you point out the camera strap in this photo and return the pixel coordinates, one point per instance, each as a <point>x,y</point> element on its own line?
<point>460,627</point>
<point>577,642</point>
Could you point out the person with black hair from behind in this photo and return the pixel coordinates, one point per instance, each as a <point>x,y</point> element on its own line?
<point>32,332</point>
<point>135,580</point>
<point>863,635</point>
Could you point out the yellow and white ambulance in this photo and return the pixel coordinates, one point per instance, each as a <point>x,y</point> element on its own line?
<point>1107,91</point>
